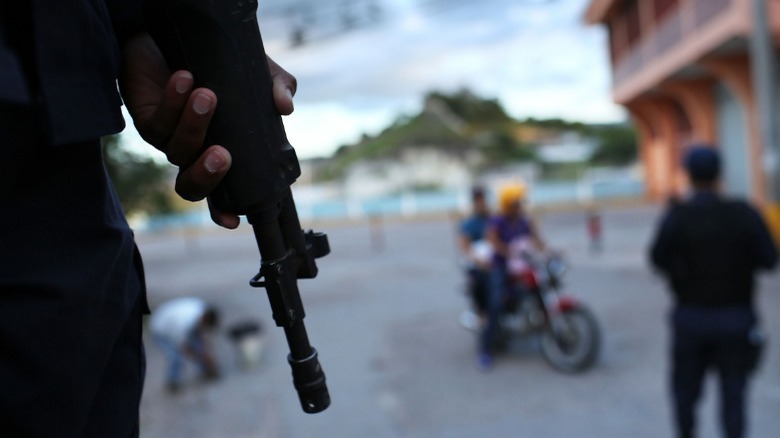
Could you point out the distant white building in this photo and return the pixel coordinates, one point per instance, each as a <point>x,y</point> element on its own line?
<point>568,148</point>
<point>415,168</point>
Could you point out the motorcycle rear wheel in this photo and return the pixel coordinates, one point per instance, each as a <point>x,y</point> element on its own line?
<point>574,344</point>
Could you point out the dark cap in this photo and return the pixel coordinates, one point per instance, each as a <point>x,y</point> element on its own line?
<point>702,163</point>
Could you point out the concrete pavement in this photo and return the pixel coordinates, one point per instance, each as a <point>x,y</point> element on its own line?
<point>383,313</point>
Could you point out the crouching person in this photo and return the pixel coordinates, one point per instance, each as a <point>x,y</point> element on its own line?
<point>180,327</point>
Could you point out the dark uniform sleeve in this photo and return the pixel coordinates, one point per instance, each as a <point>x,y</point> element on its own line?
<point>663,245</point>
<point>764,251</point>
<point>126,18</point>
<point>13,84</point>
<point>15,40</point>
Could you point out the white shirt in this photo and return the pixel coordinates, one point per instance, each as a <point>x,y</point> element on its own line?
<point>177,318</point>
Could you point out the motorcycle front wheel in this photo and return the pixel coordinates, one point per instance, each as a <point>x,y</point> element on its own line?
<point>572,340</point>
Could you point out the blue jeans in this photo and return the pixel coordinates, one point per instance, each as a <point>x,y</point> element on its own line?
<point>175,355</point>
<point>479,289</point>
<point>497,294</point>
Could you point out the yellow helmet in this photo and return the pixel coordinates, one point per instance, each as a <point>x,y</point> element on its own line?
<point>511,194</point>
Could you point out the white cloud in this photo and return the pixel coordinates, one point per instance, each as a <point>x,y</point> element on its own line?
<point>537,58</point>
<point>326,126</point>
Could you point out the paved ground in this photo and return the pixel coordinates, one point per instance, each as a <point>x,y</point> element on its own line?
<point>383,315</point>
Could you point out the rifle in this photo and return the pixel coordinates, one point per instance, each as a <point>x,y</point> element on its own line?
<point>219,42</point>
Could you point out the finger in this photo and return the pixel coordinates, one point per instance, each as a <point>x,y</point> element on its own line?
<point>161,125</point>
<point>143,78</point>
<point>197,180</point>
<point>227,220</point>
<point>187,139</point>
<point>284,87</point>
<point>283,99</point>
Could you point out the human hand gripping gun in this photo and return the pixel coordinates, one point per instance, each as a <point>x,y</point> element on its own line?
<point>219,42</point>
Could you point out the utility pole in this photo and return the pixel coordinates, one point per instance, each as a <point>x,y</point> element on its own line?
<point>763,66</point>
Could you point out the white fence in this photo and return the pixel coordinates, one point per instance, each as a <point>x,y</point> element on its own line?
<point>411,204</point>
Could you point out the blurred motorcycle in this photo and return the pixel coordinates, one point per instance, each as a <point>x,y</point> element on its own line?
<point>568,332</point>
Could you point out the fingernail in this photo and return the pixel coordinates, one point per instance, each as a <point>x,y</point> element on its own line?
<point>182,83</point>
<point>214,163</point>
<point>201,104</point>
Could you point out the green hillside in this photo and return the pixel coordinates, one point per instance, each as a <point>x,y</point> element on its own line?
<point>463,122</point>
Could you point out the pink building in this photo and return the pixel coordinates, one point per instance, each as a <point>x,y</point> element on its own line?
<point>682,68</point>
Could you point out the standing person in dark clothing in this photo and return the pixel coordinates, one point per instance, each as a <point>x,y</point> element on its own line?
<point>709,248</point>
<point>71,283</point>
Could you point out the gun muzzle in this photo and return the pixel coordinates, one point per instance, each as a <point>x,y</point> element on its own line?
<point>309,381</point>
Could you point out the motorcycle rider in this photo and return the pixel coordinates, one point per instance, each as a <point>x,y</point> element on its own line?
<point>508,228</point>
<point>476,251</point>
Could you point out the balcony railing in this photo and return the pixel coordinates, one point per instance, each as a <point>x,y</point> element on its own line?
<point>684,22</point>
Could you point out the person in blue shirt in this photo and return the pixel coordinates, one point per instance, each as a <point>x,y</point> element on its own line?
<point>475,250</point>
<point>709,248</point>
<point>72,291</point>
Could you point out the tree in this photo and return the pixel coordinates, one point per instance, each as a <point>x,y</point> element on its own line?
<point>141,183</point>
<point>502,148</point>
<point>472,108</point>
<point>616,145</point>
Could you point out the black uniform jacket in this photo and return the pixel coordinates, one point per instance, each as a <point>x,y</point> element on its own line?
<point>69,270</point>
<point>710,248</point>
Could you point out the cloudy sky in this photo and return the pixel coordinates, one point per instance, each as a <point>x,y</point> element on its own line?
<point>535,56</point>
